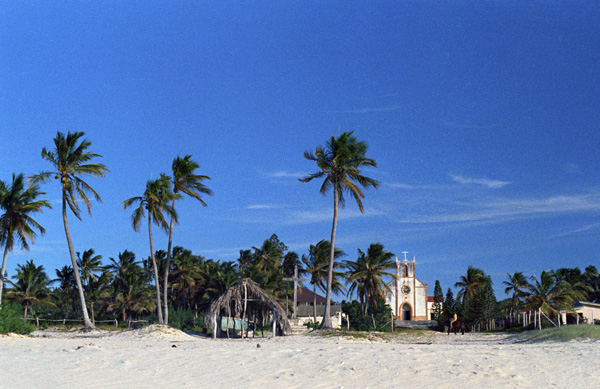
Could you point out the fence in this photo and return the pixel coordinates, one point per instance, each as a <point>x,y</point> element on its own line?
<point>64,321</point>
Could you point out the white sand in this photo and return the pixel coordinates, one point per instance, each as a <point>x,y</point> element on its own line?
<point>147,358</point>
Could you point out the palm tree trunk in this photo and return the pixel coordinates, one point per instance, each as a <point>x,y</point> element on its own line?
<point>168,264</point>
<point>2,272</point>
<point>86,319</point>
<point>315,303</point>
<point>156,279</point>
<point>326,323</point>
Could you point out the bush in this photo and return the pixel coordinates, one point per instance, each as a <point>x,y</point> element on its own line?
<point>185,320</point>
<point>11,320</point>
<point>378,317</point>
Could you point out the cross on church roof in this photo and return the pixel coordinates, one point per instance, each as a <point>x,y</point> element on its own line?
<point>405,252</point>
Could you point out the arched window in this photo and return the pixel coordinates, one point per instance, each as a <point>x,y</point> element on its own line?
<point>405,271</point>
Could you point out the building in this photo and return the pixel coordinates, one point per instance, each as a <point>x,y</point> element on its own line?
<point>305,312</point>
<point>408,296</point>
<point>583,312</point>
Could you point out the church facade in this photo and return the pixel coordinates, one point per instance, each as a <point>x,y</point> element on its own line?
<point>408,296</point>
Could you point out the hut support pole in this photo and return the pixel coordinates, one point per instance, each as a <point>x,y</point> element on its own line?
<point>274,323</point>
<point>244,314</point>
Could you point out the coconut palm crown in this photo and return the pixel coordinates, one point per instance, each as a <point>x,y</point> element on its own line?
<point>16,224</point>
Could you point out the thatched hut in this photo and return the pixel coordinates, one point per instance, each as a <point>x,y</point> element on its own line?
<point>243,301</point>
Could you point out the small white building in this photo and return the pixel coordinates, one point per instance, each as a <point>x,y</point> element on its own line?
<point>585,312</point>
<point>408,297</point>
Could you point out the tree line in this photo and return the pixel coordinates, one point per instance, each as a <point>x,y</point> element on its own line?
<point>552,292</point>
<point>339,163</point>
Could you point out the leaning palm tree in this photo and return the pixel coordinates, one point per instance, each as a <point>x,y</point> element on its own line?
<point>550,294</point>
<point>317,265</point>
<point>367,272</point>
<point>470,284</point>
<point>340,162</point>
<point>184,180</point>
<point>156,201</point>
<point>71,160</point>
<point>16,223</point>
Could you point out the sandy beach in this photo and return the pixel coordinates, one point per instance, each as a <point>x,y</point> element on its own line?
<point>154,357</point>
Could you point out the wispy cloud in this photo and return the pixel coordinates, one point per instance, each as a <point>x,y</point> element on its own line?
<point>479,181</point>
<point>586,228</point>
<point>284,174</point>
<point>369,110</point>
<point>398,185</point>
<point>266,206</point>
<point>503,210</point>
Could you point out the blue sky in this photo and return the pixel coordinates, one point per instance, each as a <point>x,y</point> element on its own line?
<point>483,118</point>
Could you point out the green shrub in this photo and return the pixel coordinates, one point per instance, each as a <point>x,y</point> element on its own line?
<point>11,320</point>
<point>378,317</point>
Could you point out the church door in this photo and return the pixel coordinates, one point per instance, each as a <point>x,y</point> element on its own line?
<point>406,314</point>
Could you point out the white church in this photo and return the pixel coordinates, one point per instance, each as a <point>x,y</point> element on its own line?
<point>408,297</point>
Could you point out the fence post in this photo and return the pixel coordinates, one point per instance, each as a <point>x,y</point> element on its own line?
<point>37,322</point>
<point>116,323</point>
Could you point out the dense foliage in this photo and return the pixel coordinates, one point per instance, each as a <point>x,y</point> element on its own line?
<point>377,318</point>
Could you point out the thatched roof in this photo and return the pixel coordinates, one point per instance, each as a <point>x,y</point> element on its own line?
<point>231,304</point>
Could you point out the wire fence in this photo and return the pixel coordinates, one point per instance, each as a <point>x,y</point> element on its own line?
<point>64,321</point>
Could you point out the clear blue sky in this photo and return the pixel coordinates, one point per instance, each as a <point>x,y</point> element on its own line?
<point>482,115</point>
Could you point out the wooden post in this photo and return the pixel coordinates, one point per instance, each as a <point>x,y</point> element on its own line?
<point>215,328</point>
<point>244,313</point>
<point>274,323</point>
<point>116,323</point>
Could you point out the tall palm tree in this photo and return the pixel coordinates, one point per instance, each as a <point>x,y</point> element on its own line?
<point>31,286</point>
<point>317,265</point>
<point>184,180</point>
<point>16,223</point>
<point>156,202</point>
<point>367,272</point>
<point>516,284</point>
<point>470,284</point>
<point>71,160</point>
<point>340,162</point>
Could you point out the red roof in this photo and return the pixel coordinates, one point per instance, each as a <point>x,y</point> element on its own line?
<point>306,296</point>
<point>430,299</point>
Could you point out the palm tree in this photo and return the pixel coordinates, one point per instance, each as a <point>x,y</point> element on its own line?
<point>156,201</point>
<point>516,284</point>
<point>339,163</point>
<point>317,264</point>
<point>129,281</point>
<point>470,284</point>
<point>65,293</point>
<point>70,159</point>
<point>550,294</point>
<point>186,181</point>
<point>31,286</point>
<point>89,264</point>
<point>367,272</point>
<point>16,223</point>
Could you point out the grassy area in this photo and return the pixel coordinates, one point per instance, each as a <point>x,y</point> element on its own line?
<point>562,334</point>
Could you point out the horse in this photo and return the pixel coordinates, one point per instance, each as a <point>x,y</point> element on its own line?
<point>454,325</point>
